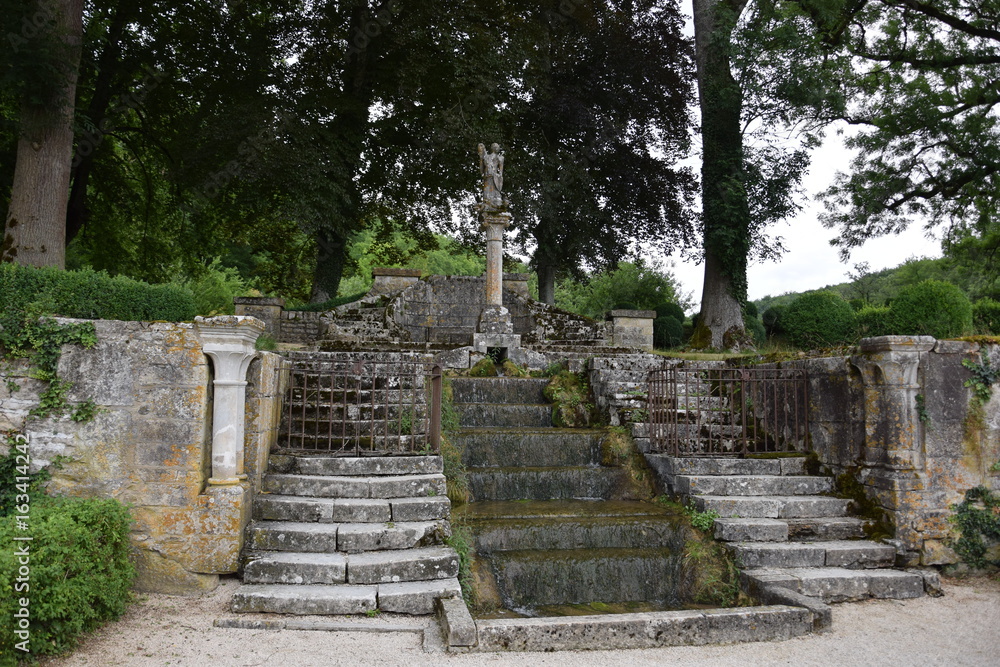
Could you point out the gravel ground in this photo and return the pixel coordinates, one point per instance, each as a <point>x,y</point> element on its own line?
<point>961,628</point>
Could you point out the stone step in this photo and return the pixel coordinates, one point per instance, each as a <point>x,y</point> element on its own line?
<point>373,567</point>
<point>331,486</point>
<point>361,443</point>
<point>836,584</point>
<point>545,483</point>
<point>578,576</point>
<point>851,554</point>
<point>826,528</point>
<point>365,466</point>
<point>700,466</point>
<point>556,509</point>
<point>350,510</point>
<point>584,532</point>
<point>751,485</point>
<point>498,390</point>
<point>751,530</point>
<point>412,597</point>
<point>772,507</point>
<point>344,537</point>
<point>496,447</point>
<point>497,415</point>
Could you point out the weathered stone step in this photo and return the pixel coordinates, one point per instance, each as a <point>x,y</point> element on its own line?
<point>495,447</point>
<point>632,532</point>
<point>773,507</point>
<point>851,554</point>
<point>531,578</point>
<point>374,567</point>
<point>673,465</point>
<point>545,483</point>
<point>826,528</point>
<point>751,530</point>
<point>751,485</point>
<point>411,597</point>
<point>350,510</point>
<point>556,509</point>
<point>330,486</point>
<point>498,390</point>
<point>364,466</point>
<point>497,415</point>
<point>835,584</point>
<point>345,537</point>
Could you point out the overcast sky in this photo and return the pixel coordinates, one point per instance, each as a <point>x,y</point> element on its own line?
<point>811,262</point>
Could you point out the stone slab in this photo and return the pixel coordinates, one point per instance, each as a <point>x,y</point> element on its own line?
<point>416,597</point>
<point>295,568</point>
<point>323,510</point>
<point>303,600</point>
<point>858,554</point>
<point>369,466</point>
<point>779,554</point>
<point>456,622</point>
<point>751,530</point>
<point>752,485</point>
<point>420,509</point>
<point>293,536</point>
<point>773,507</point>
<point>357,537</point>
<point>384,567</point>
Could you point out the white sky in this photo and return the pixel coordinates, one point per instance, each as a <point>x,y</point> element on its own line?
<point>810,261</point>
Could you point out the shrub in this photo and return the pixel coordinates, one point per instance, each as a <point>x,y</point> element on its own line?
<point>931,308</point>
<point>819,319</point>
<point>332,303</point>
<point>986,316</point>
<point>875,321</point>
<point>80,573</point>
<point>667,332</point>
<point>772,320</point>
<point>756,329</point>
<point>669,309</point>
<point>27,291</point>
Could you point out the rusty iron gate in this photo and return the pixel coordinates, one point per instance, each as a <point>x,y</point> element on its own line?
<point>728,411</point>
<point>356,407</point>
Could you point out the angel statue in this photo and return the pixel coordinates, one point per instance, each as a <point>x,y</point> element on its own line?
<point>491,166</point>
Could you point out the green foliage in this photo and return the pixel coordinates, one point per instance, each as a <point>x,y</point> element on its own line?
<point>214,287</point>
<point>484,368</point>
<point>331,304</point>
<point>28,291</point>
<point>80,571</point>
<point>668,332</point>
<point>461,541</point>
<point>984,376</point>
<point>641,287</point>
<point>12,465</point>
<point>875,321</point>
<point>986,316</point>
<point>819,319</point>
<point>570,395</point>
<point>703,521</point>
<point>266,342</point>
<point>931,308</point>
<point>922,413</point>
<point>772,319</point>
<point>977,518</point>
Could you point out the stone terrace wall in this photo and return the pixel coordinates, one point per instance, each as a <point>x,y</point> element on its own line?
<point>150,446</point>
<point>915,462</point>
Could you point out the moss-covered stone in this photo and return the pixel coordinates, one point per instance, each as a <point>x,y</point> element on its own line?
<point>484,368</point>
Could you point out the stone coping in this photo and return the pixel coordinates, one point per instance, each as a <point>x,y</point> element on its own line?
<point>398,273</point>
<point>636,314</point>
<point>898,344</point>
<point>517,277</point>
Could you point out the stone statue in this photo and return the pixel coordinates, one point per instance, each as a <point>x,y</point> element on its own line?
<point>491,166</point>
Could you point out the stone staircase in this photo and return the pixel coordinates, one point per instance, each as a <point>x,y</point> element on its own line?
<point>363,321</point>
<point>785,532</point>
<point>338,535</point>
<point>553,526</point>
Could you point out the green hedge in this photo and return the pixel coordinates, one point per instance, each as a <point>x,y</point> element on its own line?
<point>819,319</point>
<point>986,316</point>
<point>88,295</point>
<point>668,332</point>
<point>79,572</point>
<point>931,308</point>
<point>875,321</point>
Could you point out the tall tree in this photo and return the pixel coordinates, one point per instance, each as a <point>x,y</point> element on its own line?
<point>50,33</point>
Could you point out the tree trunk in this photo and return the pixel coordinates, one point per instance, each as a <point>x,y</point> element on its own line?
<point>330,258</point>
<point>547,283</point>
<point>725,209</point>
<point>36,218</point>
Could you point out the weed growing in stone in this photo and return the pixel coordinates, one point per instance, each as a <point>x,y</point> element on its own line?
<point>977,518</point>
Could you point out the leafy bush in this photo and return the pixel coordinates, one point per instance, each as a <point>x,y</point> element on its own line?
<point>772,320</point>
<point>331,304</point>
<point>667,332</point>
<point>819,319</point>
<point>931,308</point>
<point>214,288</point>
<point>80,573</point>
<point>875,321</point>
<point>29,292</point>
<point>986,316</point>
<point>756,329</point>
<point>670,309</point>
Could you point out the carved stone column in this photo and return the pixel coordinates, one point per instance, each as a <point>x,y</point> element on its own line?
<point>229,342</point>
<point>494,224</point>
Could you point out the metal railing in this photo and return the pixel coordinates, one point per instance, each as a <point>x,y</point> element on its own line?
<point>362,407</point>
<point>728,411</point>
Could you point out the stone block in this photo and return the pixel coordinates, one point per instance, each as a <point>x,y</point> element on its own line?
<point>383,567</point>
<point>416,597</point>
<point>420,509</point>
<point>357,537</point>
<point>295,568</point>
<point>751,530</point>
<point>157,574</point>
<point>304,599</point>
<point>456,622</point>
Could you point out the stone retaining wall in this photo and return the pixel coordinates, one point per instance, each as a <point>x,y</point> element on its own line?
<point>150,445</point>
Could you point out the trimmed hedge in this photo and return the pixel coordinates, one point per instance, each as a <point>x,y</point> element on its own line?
<point>29,291</point>
<point>875,321</point>
<point>668,332</point>
<point>931,308</point>
<point>986,316</point>
<point>819,319</point>
<point>772,320</point>
<point>79,572</point>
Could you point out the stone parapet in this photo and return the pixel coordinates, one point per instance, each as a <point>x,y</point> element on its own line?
<point>391,280</point>
<point>265,308</point>
<point>632,328</point>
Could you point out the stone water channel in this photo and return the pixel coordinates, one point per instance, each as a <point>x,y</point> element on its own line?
<point>557,533</point>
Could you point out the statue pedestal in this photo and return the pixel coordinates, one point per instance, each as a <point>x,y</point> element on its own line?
<point>494,223</point>
<point>495,330</point>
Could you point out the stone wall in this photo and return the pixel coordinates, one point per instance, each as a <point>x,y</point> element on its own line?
<point>150,445</point>
<point>896,417</point>
<point>300,326</point>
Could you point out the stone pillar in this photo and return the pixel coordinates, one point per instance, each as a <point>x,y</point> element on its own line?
<point>632,328</point>
<point>264,308</point>
<point>494,225</point>
<point>229,342</point>
<point>390,280</point>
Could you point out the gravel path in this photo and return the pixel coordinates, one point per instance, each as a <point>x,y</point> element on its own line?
<point>962,628</point>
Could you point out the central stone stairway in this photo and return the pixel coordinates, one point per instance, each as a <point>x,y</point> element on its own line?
<point>556,532</point>
<point>341,535</point>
